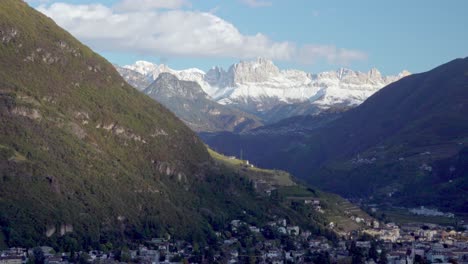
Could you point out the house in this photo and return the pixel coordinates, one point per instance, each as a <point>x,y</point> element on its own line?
<point>314,243</point>
<point>306,234</point>
<point>375,224</point>
<point>254,229</point>
<point>373,232</point>
<point>11,260</point>
<point>234,254</point>
<point>157,240</point>
<point>273,254</point>
<point>319,209</point>
<point>54,260</point>
<point>16,251</point>
<point>277,261</point>
<point>461,244</point>
<point>282,230</point>
<point>150,255</point>
<point>324,246</point>
<point>282,222</point>
<point>47,250</point>
<point>230,241</point>
<point>293,230</point>
<point>436,256</point>
<point>398,258</point>
<point>461,255</point>
<point>236,223</point>
<point>363,244</point>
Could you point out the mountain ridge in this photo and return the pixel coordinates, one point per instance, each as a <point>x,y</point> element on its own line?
<point>191,104</point>
<point>259,87</point>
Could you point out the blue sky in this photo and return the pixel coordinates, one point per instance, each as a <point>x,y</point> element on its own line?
<point>310,35</point>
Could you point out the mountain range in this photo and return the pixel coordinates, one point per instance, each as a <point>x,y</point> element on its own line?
<point>406,144</point>
<point>87,160</point>
<point>260,88</point>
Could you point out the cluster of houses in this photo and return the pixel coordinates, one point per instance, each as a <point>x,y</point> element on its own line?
<point>389,232</point>
<point>430,212</point>
<point>424,243</point>
<point>282,242</point>
<point>13,256</point>
<point>266,250</point>
<point>431,246</point>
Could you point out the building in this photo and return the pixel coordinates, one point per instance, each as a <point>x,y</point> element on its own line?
<point>11,260</point>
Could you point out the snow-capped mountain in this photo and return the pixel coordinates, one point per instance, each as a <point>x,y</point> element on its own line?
<point>150,72</point>
<point>257,80</point>
<point>259,86</point>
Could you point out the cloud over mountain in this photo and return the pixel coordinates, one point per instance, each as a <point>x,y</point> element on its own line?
<point>159,28</point>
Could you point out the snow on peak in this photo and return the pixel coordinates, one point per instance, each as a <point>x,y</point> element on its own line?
<point>404,73</point>
<point>374,73</point>
<point>253,71</point>
<point>152,71</point>
<point>260,82</point>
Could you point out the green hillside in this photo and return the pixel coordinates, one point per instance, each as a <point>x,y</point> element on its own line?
<point>269,178</point>
<point>86,160</point>
<point>290,193</point>
<point>78,145</point>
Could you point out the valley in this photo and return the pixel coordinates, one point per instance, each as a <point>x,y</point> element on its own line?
<point>375,149</point>
<point>289,148</point>
<point>89,162</point>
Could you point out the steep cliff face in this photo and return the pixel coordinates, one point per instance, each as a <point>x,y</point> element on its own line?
<point>257,71</point>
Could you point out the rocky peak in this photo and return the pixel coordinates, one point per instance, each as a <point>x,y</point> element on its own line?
<point>342,73</point>
<point>167,77</point>
<point>404,73</point>
<point>148,68</point>
<point>169,85</point>
<point>259,70</point>
<point>218,77</point>
<point>374,74</point>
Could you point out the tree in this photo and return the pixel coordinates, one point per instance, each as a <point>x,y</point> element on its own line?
<point>419,260</point>
<point>356,254</point>
<point>383,257</point>
<point>373,254</point>
<point>270,233</point>
<point>38,255</point>
<point>84,258</point>
<point>321,257</point>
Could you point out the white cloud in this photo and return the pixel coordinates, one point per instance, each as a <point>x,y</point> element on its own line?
<point>309,54</point>
<point>256,3</point>
<point>147,5</point>
<point>180,33</point>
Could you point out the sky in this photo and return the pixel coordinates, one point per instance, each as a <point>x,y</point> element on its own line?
<point>309,35</point>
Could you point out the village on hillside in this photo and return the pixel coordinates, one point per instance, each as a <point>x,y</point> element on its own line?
<point>279,242</point>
